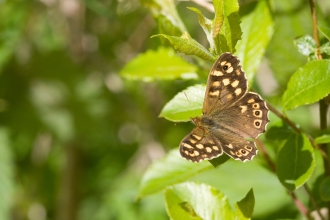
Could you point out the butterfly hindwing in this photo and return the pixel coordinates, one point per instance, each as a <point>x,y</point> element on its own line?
<point>200,145</point>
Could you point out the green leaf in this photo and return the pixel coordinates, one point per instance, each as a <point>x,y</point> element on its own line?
<point>325,48</point>
<point>295,161</point>
<point>185,105</point>
<point>306,45</point>
<point>191,200</point>
<point>165,9</point>
<point>325,189</point>
<point>207,26</point>
<point>257,26</point>
<point>246,205</point>
<point>218,16</point>
<point>161,64</point>
<point>230,31</point>
<point>167,171</point>
<point>308,84</point>
<point>185,44</point>
<point>324,139</point>
<point>325,30</point>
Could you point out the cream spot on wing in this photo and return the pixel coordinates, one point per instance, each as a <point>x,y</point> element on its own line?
<point>217,73</point>
<point>232,152</point>
<point>229,96</point>
<point>244,108</point>
<point>251,101</point>
<point>257,113</point>
<point>223,63</point>
<point>226,82</point>
<point>197,137</point>
<point>196,153</point>
<point>215,148</point>
<point>235,83</point>
<point>204,155</point>
<point>186,152</point>
<point>200,146</point>
<point>238,72</point>
<point>192,141</point>
<point>187,145</point>
<point>249,148</point>
<point>244,152</point>
<point>215,93</point>
<point>208,149</point>
<point>216,84</point>
<point>257,123</point>
<point>229,70</point>
<point>230,146</point>
<point>238,91</point>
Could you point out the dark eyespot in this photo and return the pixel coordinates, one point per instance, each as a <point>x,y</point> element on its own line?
<point>257,124</point>
<point>243,151</point>
<point>257,113</point>
<point>248,147</point>
<point>190,151</point>
<point>225,67</point>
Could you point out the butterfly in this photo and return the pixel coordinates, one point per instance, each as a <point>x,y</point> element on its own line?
<point>232,117</point>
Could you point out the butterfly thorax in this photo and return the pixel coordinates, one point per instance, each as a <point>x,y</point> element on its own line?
<point>204,121</point>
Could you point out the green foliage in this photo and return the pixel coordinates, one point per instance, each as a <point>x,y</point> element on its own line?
<point>156,65</point>
<point>185,105</point>
<point>308,84</point>
<point>295,161</point>
<point>190,200</point>
<point>89,92</point>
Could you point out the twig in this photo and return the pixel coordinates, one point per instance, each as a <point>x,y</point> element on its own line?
<point>314,203</point>
<point>324,105</point>
<point>270,163</point>
<point>283,117</point>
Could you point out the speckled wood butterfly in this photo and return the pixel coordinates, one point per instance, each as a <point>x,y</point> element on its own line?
<point>232,116</point>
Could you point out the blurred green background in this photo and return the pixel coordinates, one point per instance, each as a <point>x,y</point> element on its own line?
<point>75,138</point>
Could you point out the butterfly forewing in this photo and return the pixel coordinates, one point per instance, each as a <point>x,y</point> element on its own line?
<point>226,83</point>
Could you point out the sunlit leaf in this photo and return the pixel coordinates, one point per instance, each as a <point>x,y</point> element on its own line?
<point>308,84</point>
<point>324,139</point>
<point>306,45</point>
<point>257,27</point>
<point>325,48</point>
<point>229,25</point>
<point>165,9</point>
<point>185,105</point>
<point>295,161</point>
<point>191,200</point>
<point>206,24</point>
<point>325,30</point>
<point>167,171</point>
<point>185,44</point>
<point>161,64</point>
<point>246,206</point>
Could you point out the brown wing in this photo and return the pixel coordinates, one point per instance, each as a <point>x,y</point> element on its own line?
<point>246,118</point>
<point>226,83</point>
<point>200,145</point>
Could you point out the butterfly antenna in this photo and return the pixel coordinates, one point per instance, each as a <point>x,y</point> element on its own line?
<point>187,97</point>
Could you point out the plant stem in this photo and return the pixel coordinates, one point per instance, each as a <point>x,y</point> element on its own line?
<point>324,105</point>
